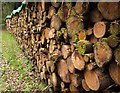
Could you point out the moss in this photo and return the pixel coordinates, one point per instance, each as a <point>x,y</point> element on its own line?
<point>72,12</point>
<point>81,47</point>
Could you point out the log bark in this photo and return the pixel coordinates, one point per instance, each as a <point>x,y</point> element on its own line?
<point>109,10</point>
<point>93,39</point>
<point>82,35</point>
<point>74,25</point>
<point>114,70</point>
<point>55,22</point>
<point>51,12</point>
<point>63,71</point>
<point>70,65</point>
<point>81,7</point>
<point>117,55</point>
<point>96,16</point>
<point>103,53</point>
<point>112,41</point>
<point>85,86</point>
<point>115,28</point>
<point>65,51</point>
<point>91,66</point>
<point>76,79</point>
<point>73,89</point>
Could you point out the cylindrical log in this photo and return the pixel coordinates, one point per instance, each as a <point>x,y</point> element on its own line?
<point>103,53</point>
<point>117,55</point>
<point>76,79</point>
<point>82,35</point>
<point>70,65</point>
<point>96,79</point>
<point>51,11</point>
<point>95,15</point>
<point>65,51</point>
<point>99,29</point>
<point>85,86</point>
<point>63,71</point>
<point>73,89</point>
<point>91,66</point>
<point>109,10</point>
<point>115,28</point>
<point>114,70</point>
<point>77,60</point>
<point>113,41</point>
<point>55,22</point>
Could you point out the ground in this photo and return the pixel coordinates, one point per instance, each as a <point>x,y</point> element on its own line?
<point>15,69</point>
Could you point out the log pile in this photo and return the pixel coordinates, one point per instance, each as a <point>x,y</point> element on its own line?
<point>75,46</point>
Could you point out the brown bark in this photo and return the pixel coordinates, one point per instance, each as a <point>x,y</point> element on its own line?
<point>65,51</point>
<point>93,39</point>
<point>55,22</point>
<point>85,86</point>
<point>96,16</point>
<point>117,55</point>
<point>81,7</point>
<point>63,71</point>
<point>114,70</point>
<point>103,53</point>
<point>70,65</point>
<point>115,28</point>
<point>91,66</point>
<point>74,25</point>
<point>76,79</point>
<point>73,89</point>
<point>109,10</point>
<point>51,11</point>
<point>89,31</point>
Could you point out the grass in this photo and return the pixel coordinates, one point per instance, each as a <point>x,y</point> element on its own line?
<point>11,53</point>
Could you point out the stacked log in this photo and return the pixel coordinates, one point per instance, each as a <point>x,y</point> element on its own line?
<point>73,52</point>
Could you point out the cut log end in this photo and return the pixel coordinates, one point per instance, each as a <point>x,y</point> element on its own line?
<point>99,29</point>
<point>63,71</point>
<point>92,80</point>
<point>77,60</point>
<point>114,70</point>
<point>85,86</point>
<point>103,53</point>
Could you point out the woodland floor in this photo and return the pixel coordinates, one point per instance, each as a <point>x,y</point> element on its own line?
<point>15,70</point>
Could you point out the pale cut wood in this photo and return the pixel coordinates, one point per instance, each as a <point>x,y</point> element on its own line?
<point>77,60</point>
<point>99,29</point>
<point>103,53</point>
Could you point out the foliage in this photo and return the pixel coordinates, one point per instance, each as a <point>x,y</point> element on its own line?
<point>11,53</point>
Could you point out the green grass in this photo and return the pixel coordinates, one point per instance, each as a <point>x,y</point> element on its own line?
<point>11,53</point>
